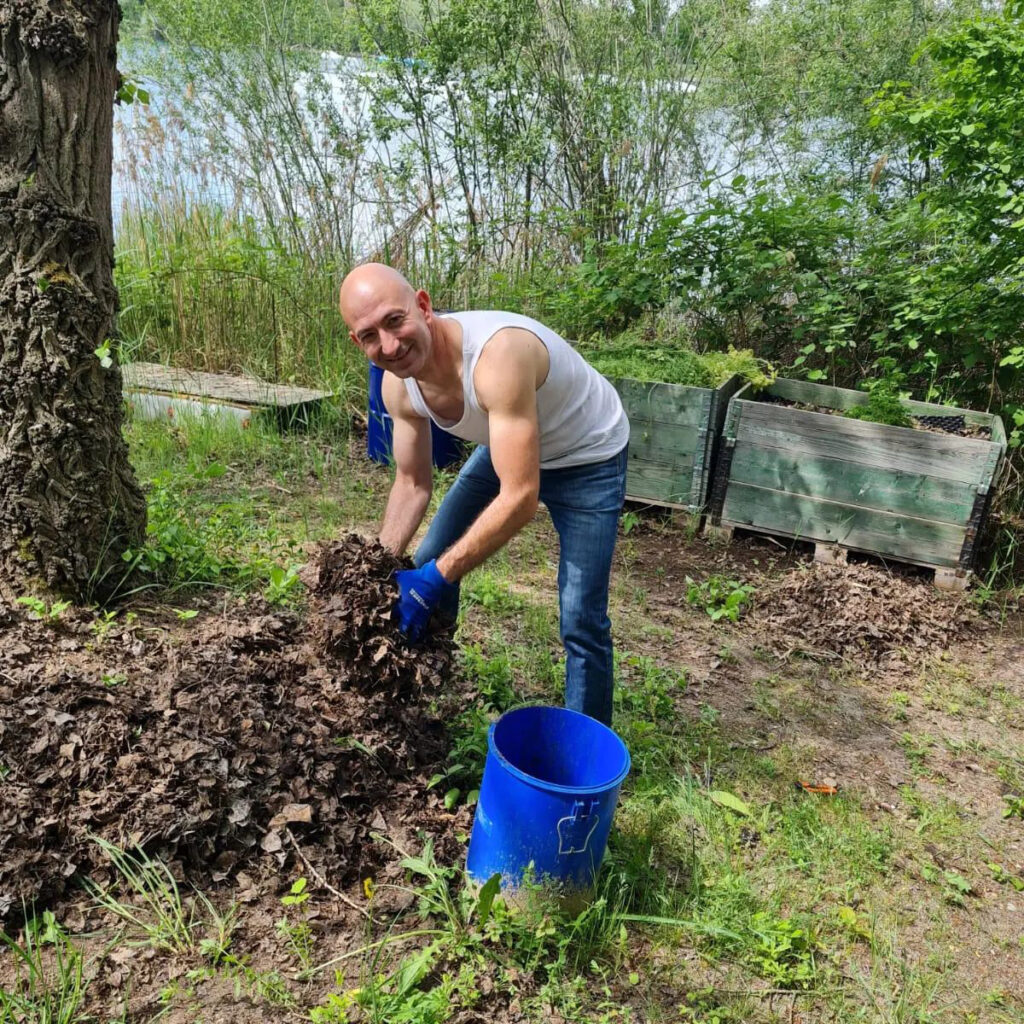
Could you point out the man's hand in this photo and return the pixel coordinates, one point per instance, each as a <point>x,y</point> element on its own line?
<point>422,590</point>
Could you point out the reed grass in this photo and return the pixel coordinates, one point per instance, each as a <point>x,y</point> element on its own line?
<point>206,288</point>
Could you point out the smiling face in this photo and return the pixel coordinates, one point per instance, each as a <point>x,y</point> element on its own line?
<point>387,319</point>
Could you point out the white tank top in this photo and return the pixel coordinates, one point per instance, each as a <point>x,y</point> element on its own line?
<point>580,416</point>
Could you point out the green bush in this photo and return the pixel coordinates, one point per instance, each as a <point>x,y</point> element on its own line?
<point>676,365</point>
<point>884,405</point>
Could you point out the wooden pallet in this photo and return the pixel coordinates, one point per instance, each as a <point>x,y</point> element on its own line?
<point>901,494</point>
<point>157,391</point>
<point>825,553</point>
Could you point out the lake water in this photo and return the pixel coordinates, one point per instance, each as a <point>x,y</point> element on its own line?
<point>156,153</point>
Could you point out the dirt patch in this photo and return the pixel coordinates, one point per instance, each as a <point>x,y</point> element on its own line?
<point>214,744</point>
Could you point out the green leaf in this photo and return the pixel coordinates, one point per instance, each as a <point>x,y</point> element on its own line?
<point>484,901</point>
<point>414,970</point>
<point>733,803</point>
<point>451,798</point>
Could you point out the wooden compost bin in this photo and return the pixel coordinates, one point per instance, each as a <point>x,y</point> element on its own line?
<point>913,495</point>
<point>673,435</point>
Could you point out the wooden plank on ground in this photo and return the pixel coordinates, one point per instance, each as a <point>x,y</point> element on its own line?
<point>219,387</point>
<point>887,490</point>
<point>904,537</point>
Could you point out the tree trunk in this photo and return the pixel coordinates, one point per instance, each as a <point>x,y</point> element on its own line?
<point>69,502</point>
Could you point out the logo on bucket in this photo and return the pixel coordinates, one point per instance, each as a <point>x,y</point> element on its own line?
<point>575,830</point>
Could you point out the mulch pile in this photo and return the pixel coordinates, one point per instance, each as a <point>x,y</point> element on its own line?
<point>862,613</point>
<point>223,742</point>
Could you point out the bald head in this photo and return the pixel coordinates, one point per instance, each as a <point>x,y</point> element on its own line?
<point>370,284</point>
<point>388,319</point>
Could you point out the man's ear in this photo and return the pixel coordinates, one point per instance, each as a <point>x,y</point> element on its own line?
<point>423,301</point>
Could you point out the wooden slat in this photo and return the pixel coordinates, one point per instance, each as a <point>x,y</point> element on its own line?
<point>645,480</point>
<point>673,404</point>
<point>845,398</point>
<point>218,386</point>
<point>646,499</point>
<point>869,444</point>
<point>998,431</point>
<point>887,490</point>
<point>816,394</point>
<point>665,443</point>
<point>864,529</point>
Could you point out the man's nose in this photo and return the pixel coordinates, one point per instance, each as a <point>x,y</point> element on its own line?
<point>389,343</point>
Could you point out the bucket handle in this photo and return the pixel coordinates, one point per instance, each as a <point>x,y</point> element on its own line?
<point>573,827</point>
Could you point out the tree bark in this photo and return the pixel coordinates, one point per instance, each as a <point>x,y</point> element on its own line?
<point>69,501</point>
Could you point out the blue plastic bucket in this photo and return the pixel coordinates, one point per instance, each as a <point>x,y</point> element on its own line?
<point>550,786</point>
<point>447,448</point>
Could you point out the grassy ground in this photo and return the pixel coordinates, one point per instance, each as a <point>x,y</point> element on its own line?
<point>729,892</point>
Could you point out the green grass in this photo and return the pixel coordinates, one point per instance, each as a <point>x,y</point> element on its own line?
<point>671,362</point>
<point>232,508</point>
<point>49,981</point>
<point>205,289</point>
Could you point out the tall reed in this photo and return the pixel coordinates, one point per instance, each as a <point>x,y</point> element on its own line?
<point>206,288</point>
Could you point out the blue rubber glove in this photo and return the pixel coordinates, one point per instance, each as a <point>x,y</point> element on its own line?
<point>422,590</point>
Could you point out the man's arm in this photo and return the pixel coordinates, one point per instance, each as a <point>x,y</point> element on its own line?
<point>511,367</point>
<point>414,477</point>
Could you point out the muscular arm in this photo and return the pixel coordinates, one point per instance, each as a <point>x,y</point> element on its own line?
<point>414,480</point>
<point>507,376</point>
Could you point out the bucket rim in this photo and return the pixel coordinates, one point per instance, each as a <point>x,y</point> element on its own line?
<point>554,787</point>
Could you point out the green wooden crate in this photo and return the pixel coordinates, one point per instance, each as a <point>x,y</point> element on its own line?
<point>913,495</point>
<point>673,433</point>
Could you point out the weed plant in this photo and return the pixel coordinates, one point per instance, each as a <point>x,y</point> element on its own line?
<point>720,597</point>
<point>677,364</point>
<point>152,904</point>
<point>884,404</point>
<point>49,982</point>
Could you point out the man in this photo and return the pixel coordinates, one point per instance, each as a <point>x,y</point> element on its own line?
<point>549,428</point>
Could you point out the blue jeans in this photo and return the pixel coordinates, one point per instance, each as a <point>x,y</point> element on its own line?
<point>584,502</point>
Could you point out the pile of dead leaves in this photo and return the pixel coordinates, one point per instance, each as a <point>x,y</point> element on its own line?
<point>861,612</point>
<point>356,623</point>
<point>221,742</point>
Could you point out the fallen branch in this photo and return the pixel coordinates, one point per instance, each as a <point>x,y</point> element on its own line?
<point>321,881</point>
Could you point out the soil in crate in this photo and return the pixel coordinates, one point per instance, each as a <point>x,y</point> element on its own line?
<point>933,424</point>
<point>222,743</point>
